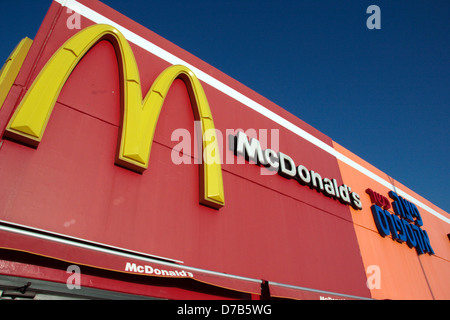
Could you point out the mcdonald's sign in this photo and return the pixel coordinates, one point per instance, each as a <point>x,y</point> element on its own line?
<point>140,116</point>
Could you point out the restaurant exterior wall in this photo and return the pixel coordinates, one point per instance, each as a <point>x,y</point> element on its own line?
<point>237,198</point>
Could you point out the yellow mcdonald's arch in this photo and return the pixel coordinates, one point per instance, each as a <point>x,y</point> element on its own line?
<point>140,116</point>
<point>12,66</point>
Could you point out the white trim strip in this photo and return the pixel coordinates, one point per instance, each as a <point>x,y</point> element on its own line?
<point>167,56</point>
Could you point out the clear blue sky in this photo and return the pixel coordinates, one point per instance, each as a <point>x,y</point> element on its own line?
<point>383,94</point>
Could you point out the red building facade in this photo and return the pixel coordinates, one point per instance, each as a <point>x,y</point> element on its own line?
<point>238,199</point>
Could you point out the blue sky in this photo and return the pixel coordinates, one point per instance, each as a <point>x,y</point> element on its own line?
<point>383,94</point>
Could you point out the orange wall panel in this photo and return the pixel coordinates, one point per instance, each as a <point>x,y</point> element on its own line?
<point>403,273</point>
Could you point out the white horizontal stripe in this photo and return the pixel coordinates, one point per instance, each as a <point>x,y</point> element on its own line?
<point>167,56</point>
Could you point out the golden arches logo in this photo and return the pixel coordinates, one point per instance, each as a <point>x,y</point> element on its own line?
<point>140,116</point>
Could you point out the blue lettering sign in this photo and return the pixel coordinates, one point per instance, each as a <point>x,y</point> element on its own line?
<point>404,225</point>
